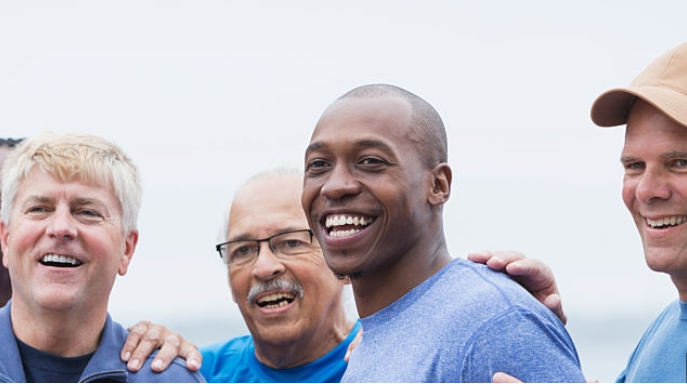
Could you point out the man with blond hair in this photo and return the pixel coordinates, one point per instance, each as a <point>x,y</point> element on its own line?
<point>68,227</point>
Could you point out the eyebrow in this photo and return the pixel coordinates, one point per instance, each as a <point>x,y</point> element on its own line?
<point>245,237</point>
<point>668,155</point>
<point>365,143</point>
<point>676,154</point>
<point>373,144</point>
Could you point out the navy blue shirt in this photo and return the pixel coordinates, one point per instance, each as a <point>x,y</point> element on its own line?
<point>42,367</point>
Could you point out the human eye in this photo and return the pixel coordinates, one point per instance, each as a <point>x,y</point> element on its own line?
<point>291,243</point>
<point>241,251</point>
<point>37,210</point>
<point>680,164</point>
<point>633,167</point>
<point>87,212</point>
<point>317,166</point>
<point>87,215</point>
<point>372,163</point>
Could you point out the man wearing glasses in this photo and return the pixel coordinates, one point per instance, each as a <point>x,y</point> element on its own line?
<point>289,298</point>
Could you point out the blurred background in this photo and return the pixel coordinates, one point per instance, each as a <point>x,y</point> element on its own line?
<point>203,94</point>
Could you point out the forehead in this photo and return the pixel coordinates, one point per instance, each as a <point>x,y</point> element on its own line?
<point>266,205</point>
<point>379,116</point>
<point>648,126</point>
<point>41,184</point>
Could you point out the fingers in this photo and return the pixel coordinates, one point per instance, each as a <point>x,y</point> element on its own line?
<point>496,260</point>
<point>554,304</point>
<point>353,345</point>
<point>347,357</point>
<point>500,377</point>
<point>168,351</point>
<point>136,334</point>
<point>492,259</point>
<point>528,268</point>
<point>480,257</point>
<point>193,357</point>
<point>147,339</point>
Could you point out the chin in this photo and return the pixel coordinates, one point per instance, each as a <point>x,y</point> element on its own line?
<point>664,260</point>
<point>280,335</point>
<point>346,273</point>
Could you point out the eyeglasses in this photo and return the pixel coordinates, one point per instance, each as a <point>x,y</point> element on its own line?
<point>283,245</point>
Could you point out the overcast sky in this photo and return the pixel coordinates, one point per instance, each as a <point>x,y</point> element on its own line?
<point>203,94</point>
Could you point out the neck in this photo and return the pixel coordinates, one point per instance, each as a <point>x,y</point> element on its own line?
<point>681,285</point>
<point>64,333</point>
<point>377,290</point>
<point>305,348</point>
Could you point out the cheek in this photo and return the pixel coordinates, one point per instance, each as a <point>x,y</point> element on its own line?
<point>321,280</point>
<point>22,237</point>
<point>629,193</point>
<point>238,286</point>
<point>306,197</point>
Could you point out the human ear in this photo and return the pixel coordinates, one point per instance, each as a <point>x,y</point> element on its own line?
<point>131,241</point>
<point>441,184</point>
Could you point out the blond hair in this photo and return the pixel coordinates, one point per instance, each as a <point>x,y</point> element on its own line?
<point>74,156</point>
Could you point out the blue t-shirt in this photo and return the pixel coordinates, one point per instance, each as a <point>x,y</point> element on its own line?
<point>660,355</point>
<point>463,324</point>
<point>234,361</point>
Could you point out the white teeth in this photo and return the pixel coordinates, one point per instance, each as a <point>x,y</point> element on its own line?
<point>336,220</point>
<point>349,232</point>
<point>60,259</point>
<point>673,220</point>
<point>276,300</point>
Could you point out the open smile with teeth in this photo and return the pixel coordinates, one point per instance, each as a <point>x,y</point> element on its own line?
<point>666,221</point>
<point>276,300</point>
<point>60,261</point>
<point>346,225</point>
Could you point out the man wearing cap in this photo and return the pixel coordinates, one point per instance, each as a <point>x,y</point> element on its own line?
<point>654,109</point>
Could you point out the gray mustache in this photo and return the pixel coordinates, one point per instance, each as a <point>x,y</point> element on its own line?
<point>273,285</point>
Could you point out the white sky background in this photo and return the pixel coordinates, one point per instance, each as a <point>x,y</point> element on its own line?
<point>203,94</point>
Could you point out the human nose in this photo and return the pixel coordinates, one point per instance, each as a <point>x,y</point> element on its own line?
<point>268,266</point>
<point>340,183</point>
<point>652,185</point>
<point>62,225</point>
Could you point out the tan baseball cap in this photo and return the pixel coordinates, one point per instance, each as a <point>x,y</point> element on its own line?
<point>662,84</point>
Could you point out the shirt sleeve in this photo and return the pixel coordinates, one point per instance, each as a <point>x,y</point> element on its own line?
<point>523,344</point>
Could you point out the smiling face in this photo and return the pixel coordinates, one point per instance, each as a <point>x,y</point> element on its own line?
<point>64,245</point>
<point>366,186</point>
<point>655,188</point>
<point>286,301</point>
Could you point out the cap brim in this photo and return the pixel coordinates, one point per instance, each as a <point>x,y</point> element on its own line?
<point>613,107</point>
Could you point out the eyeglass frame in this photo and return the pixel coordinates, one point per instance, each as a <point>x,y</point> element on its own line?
<point>219,246</point>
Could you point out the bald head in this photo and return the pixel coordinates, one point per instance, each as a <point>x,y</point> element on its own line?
<point>427,129</point>
<point>275,194</point>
